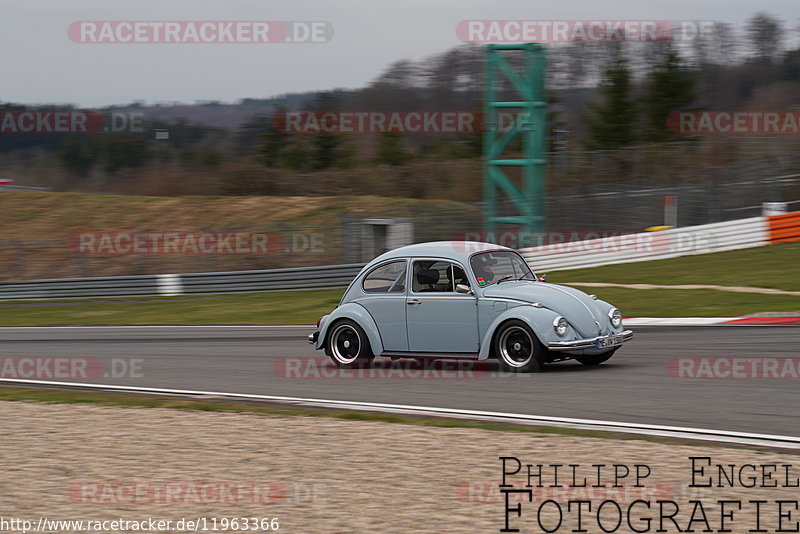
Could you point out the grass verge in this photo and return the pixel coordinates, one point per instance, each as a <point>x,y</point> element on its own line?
<point>304,307</point>
<point>271,307</point>
<point>691,302</point>
<point>771,267</point>
<point>775,267</point>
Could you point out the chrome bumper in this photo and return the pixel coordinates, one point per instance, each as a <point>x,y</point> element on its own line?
<point>579,344</point>
<point>312,338</point>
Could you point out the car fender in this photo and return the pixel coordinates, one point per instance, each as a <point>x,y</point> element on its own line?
<point>355,312</point>
<point>605,306</point>
<point>540,320</point>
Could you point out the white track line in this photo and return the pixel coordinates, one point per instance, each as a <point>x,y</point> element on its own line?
<point>676,321</point>
<point>725,436</point>
<point>732,289</point>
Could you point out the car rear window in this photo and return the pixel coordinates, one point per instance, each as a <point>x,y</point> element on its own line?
<point>387,278</point>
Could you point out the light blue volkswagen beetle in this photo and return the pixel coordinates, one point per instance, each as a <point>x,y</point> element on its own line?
<point>469,300</point>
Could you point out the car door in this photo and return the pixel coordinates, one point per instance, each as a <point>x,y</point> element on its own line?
<point>383,294</point>
<point>440,320</point>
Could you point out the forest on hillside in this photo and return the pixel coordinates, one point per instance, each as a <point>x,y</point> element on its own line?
<point>608,115</point>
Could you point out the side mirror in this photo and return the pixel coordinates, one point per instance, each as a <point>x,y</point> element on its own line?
<point>543,278</point>
<point>465,289</point>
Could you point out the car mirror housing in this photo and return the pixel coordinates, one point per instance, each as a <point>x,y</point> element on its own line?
<point>462,288</point>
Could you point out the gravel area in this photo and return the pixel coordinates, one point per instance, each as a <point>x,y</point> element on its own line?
<point>86,462</point>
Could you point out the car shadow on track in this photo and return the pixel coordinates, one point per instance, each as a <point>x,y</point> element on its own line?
<point>412,368</point>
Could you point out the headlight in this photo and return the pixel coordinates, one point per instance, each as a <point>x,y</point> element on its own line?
<point>615,317</point>
<point>560,325</point>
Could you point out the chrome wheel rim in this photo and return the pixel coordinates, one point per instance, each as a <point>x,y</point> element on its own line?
<point>516,346</point>
<point>345,344</point>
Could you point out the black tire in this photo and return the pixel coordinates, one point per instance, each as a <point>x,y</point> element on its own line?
<point>595,359</point>
<point>348,345</point>
<point>518,349</point>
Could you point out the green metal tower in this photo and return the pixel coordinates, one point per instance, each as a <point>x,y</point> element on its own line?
<point>526,196</point>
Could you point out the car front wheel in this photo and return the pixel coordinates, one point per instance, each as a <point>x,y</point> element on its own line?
<point>518,349</point>
<point>348,345</point>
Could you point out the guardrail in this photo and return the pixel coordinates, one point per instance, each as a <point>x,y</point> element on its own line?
<point>180,284</point>
<point>672,243</point>
<point>111,286</point>
<point>784,228</point>
<point>646,246</point>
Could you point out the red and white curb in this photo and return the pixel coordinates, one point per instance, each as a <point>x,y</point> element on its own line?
<point>713,321</point>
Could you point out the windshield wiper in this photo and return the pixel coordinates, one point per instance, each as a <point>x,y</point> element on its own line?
<point>511,277</point>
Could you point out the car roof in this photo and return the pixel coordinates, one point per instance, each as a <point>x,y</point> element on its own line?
<point>456,250</point>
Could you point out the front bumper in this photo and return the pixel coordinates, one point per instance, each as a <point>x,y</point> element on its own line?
<point>312,338</point>
<point>589,343</point>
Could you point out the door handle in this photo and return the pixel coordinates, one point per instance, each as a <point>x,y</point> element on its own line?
<point>412,302</point>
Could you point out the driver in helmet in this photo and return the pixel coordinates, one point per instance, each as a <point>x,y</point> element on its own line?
<point>484,271</point>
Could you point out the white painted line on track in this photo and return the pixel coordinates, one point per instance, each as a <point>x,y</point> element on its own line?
<point>675,321</point>
<point>702,434</point>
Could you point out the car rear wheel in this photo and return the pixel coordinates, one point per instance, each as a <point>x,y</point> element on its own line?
<point>348,345</point>
<point>518,349</point>
<point>595,359</point>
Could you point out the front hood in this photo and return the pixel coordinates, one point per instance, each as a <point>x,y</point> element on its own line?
<point>582,312</point>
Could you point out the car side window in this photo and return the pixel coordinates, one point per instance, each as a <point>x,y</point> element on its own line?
<point>388,278</point>
<point>430,276</point>
<point>458,276</point>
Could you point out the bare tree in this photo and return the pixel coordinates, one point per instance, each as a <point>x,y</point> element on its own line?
<point>766,36</point>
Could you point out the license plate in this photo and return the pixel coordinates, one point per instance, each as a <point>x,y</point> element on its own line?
<point>610,341</point>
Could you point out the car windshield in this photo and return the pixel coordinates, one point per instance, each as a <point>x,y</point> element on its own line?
<point>493,267</point>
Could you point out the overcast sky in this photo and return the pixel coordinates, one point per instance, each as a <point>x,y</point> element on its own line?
<point>40,64</point>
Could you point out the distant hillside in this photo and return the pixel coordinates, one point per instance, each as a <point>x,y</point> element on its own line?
<point>217,114</point>
<point>44,229</point>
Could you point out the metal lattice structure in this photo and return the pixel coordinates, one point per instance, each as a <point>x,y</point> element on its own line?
<point>526,203</point>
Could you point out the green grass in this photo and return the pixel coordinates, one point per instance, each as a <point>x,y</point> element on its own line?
<point>691,302</point>
<point>304,307</point>
<point>770,267</point>
<point>776,267</point>
<point>271,307</point>
<point>130,400</point>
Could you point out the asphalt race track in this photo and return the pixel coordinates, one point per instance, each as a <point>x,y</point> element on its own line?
<point>634,386</point>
